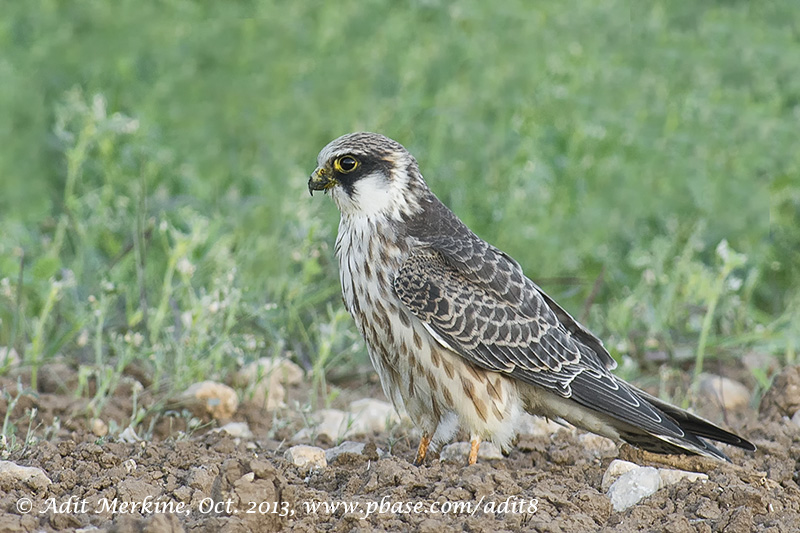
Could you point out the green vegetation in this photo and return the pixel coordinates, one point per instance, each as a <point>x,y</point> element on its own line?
<point>154,160</point>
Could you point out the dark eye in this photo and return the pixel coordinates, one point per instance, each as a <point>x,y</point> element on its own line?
<point>346,164</point>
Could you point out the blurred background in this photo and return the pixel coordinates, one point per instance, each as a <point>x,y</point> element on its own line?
<point>640,161</point>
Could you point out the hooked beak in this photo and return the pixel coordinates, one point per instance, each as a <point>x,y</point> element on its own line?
<point>320,180</point>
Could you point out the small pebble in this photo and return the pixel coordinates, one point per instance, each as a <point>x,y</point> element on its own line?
<point>306,457</point>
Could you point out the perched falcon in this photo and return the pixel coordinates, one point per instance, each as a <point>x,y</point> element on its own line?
<point>457,333</point>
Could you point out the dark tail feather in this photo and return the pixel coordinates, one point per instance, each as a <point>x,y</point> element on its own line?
<point>696,425</point>
<point>647,422</point>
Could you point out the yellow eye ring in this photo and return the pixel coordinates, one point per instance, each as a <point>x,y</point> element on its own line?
<point>345,164</point>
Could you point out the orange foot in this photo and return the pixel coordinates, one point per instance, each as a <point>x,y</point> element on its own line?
<point>474,445</point>
<point>422,451</point>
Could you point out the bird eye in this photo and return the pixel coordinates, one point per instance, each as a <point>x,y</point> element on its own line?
<point>345,164</point>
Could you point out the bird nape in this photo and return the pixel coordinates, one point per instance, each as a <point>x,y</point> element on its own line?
<point>458,335</point>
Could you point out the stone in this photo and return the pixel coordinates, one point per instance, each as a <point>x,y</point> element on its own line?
<point>369,415</point>
<point>12,474</point>
<point>725,393</point>
<point>216,399</point>
<point>627,483</point>
<point>306,457</point>
<point>670,476</point>
<point>267,379</point>
<point>99,428</point>
<point>614,471</point>
<point>363,418</point>
<point>458,452</point>
<point>238,430</point>
<point>130,465</point>
<point>633,486</point>
<point>329,423</point>
<point>348,446</point>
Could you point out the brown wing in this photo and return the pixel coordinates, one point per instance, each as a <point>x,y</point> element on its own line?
<point>495,317</point>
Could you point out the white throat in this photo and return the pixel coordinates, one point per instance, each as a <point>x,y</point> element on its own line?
<point>372,195</point>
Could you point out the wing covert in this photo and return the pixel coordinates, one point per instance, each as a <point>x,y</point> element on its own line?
<point>493,316</point>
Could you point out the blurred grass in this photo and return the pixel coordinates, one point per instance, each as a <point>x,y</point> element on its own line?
<point>155,154</point>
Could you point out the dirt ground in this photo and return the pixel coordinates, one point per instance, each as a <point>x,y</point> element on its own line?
<point>210,481</point>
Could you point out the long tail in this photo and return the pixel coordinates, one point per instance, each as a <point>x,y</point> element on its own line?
<point>649,423</point>
<point>696,427</point>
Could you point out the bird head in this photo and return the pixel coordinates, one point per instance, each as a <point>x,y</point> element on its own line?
<point>368,174</point>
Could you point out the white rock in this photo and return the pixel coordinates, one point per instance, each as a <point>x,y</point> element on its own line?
<point>370,415</point>
<point>671,476</point>
<point>615,470</point>
<point>347,446</point>
<point>267,378</point>
<point>632,486</point>
<point>12,473</point>
<point>796,418</point>
<point>331,423</point>
<point>306,457</point>
<point>364,417</point>
<point>283,369</point>
<point>459,451</point>
<point>98,427</point>
<point>268,394</point>
<point>627,483</point>
<point>304,434</point>
<point>239,430</point>
<point>217,399</point>
<point>130,465</point>
<point>539,426</point>
<point>247,478</point>
<point>724,392</point>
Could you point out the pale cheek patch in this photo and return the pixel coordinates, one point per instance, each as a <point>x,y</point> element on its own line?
<point>373,194</point>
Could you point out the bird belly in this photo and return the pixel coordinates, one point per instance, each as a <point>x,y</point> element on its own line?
<point>486,404</point>
<point>438,389</point>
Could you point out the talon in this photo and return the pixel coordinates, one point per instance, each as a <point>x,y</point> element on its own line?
<point>474,445</point>
<point>422,451</point>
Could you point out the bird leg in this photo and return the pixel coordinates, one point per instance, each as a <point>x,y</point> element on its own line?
<point>422,451</point>
<point>474,444</point>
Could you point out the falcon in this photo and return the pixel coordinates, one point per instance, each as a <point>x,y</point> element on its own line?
<point>458,335</point>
